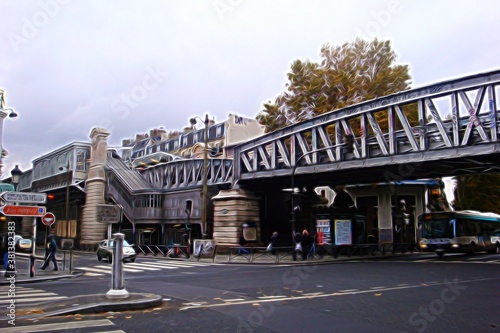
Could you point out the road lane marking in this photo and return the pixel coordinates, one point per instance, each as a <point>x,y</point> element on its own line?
<point>256,301</point>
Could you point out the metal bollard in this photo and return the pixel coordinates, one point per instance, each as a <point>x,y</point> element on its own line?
<point>70,261</point>
<point>117,288</point>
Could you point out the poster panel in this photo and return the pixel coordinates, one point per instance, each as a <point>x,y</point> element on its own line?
<point>343,232</point>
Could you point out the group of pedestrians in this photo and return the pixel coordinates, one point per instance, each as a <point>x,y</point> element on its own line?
<point>306,244</point>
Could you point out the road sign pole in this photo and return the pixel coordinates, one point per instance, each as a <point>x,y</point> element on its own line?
<point>33,249</point>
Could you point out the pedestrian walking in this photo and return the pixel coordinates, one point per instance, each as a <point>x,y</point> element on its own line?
<point>51,253</point>
<point>307,242</point>
<point>274,242</point>
<point>242,241</point>
<point>297,238</point>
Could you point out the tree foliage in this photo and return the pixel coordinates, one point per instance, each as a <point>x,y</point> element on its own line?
<point>478,192</point>
<point>347,74</point>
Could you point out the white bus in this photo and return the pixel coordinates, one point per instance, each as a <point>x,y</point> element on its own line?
<point>459,232</point>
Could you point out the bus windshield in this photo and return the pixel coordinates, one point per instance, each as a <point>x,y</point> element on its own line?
<point>438,228</point>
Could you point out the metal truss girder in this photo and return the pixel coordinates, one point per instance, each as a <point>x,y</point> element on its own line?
<point>184,174</point>
<point>444,119</point>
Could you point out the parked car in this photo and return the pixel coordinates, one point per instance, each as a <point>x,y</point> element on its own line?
<point>22,244</point>
<point>106,248</point>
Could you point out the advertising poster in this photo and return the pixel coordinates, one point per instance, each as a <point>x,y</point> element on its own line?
<point>343,232</point>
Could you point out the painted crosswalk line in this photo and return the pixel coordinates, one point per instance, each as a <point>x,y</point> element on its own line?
<point>26,295</point>
<point>64,326</point>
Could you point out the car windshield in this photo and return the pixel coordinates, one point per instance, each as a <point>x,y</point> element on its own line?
<point>112,243</point>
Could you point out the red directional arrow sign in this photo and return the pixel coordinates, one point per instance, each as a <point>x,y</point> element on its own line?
<point>23,210</point>
<point>48,219</point>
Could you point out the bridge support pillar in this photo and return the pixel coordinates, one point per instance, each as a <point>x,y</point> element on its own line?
<point>232,210</point>
<point>92,232</point>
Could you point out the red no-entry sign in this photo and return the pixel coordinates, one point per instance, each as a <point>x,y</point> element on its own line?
<point>48,219</point>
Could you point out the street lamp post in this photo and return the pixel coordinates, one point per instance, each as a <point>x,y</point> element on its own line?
<point>10,265</point>
<point>292,183</point>
<point>4,112</point>
<point>205,176</point>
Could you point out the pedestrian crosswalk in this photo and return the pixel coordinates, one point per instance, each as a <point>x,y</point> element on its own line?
<point>25,295</point>
<point>67,326</point>
<point>141,267</point>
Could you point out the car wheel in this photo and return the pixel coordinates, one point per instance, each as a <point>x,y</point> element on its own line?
<point>99,258</point>
<point>110,258</point>
<point>132,260</point>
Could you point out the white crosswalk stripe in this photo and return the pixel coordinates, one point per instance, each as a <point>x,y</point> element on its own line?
<point>139,267</point>
<point>63,326</point>
<point>26,295</point>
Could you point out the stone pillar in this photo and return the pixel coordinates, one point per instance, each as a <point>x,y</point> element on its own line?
<point>93,232</point>
<point>232,209</point>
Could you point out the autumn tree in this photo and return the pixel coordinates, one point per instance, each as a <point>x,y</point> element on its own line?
<point>347,74</point>
<point>478,192</point>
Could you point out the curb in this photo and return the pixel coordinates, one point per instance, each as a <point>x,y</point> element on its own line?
<point>76,273</point>
<point>91,304</point>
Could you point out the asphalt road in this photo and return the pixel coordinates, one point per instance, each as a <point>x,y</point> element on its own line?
<point>419,293</point>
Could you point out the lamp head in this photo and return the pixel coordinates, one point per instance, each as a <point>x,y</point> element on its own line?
<point>16,174</point>
<point>13,114</point>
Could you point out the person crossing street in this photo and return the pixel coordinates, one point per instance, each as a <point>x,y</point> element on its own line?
<point>51,253</point>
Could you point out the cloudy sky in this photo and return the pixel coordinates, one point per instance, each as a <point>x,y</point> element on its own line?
<point>130,66</point>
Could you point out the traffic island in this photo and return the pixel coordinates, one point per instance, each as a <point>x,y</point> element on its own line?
<point>90,304</point>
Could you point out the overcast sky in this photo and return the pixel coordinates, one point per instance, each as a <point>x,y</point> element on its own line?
<point>130,66</point>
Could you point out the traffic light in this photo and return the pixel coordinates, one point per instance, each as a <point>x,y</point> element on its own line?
<point>50,201</point>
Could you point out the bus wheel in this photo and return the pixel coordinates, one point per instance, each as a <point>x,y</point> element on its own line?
<point>440,254</point>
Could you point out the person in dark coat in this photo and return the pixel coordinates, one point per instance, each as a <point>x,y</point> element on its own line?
<point>242,241</point>
<point>274,241</point>
<point>51,253</point>
<point>307,242</point>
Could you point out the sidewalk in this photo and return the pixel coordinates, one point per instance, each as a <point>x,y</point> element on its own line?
<point>284,256</point>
